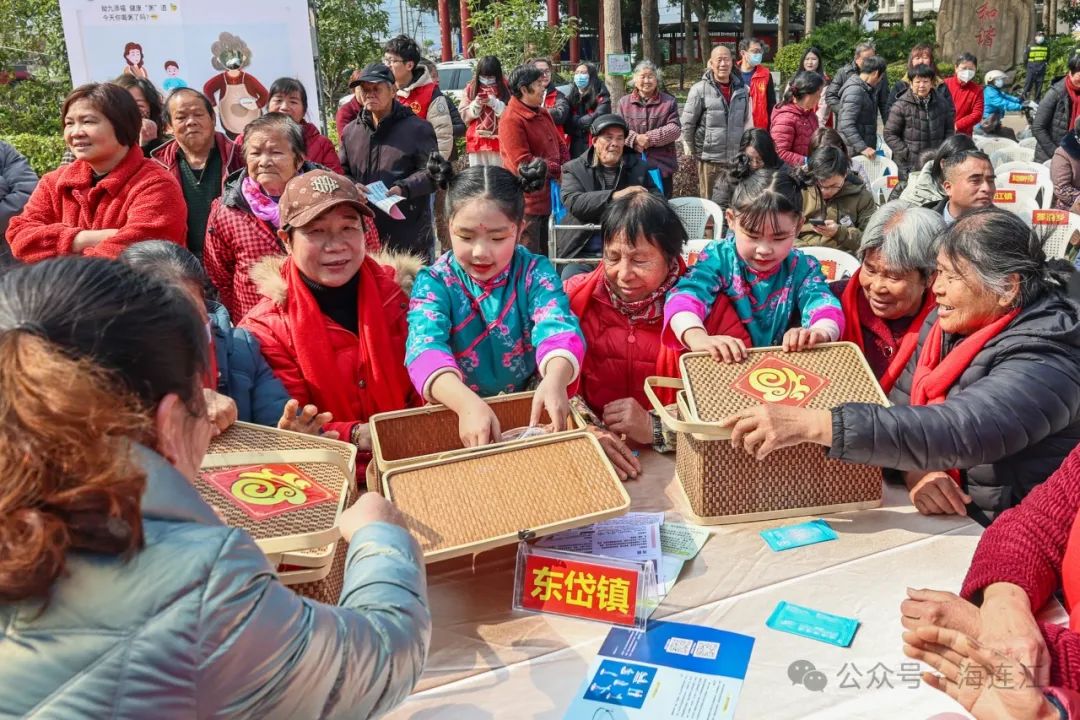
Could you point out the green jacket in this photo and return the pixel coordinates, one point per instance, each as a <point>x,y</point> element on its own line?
<point>851,208</point>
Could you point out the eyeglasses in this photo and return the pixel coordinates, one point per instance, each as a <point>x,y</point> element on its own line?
<point>392,61</point>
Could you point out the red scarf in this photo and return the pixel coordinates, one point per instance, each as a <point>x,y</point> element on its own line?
<point>934,375</point>
<point>667,361</point>
<point>1074,101</point>
<point>854,304</point>
<point>382,365</point>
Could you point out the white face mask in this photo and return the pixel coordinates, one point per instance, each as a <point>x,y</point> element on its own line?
<point>999,83</point>
<point>965,75</point>
<point>487,80</point>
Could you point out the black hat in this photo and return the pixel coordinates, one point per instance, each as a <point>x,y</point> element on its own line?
<point>376,72</point>
<point>605,121</point>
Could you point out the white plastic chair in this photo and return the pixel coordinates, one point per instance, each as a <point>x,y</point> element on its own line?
<point>882,187</point>
<point>990,145</point>
<point>1015,203</point>
<point>1029,143</point>
<point>1056,228</point>
<point>695,214</point>
<point>835,264</point>
<point>1011,154</point>
<point>693,248</point>
<point>1028,184</point>
<point>1022,166</point>
<point>876,167</point>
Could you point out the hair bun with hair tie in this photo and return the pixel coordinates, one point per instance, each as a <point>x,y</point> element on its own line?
<point>441,170</point>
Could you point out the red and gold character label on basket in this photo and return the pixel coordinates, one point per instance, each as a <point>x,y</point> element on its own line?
<point>828,269</point>
<point>779,382</point>
<point>264,491</point>
<point>892,182</point>
<point>1050,217</point>
<point>1005,196</point>
<point>1022,178</point>
<point>585,590</point>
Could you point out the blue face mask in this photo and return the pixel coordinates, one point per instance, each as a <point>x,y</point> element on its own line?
<point>582,81</point>
<point>756,58</point>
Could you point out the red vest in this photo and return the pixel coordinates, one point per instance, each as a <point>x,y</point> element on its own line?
<point>418,99</point>
<point>759,84</point>
<point>549,102</point>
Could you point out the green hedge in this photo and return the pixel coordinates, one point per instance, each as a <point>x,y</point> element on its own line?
<point>43,151</point>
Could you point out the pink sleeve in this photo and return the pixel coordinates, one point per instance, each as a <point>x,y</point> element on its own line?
<point>675,304</point>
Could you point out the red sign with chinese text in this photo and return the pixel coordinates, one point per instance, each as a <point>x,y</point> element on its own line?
<point>1050,217</point>
<point>1005,196</point>
<point>587,590</point>
<point>779,383</point>
<point>264,491</point>
<point>1022,178</point>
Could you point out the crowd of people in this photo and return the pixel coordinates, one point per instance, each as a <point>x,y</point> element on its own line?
<point>168,281</point>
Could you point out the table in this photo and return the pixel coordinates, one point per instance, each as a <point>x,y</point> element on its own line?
<point>489,662</point>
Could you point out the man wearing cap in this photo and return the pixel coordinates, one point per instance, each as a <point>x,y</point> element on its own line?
<point>387,142</point>
<point>332,322</point>
<point>590,183</point>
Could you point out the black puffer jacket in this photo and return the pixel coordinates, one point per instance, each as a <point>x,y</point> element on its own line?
<point>1007,423</point>
<point>915,126</point>
<point>836,86</point>
<point>858,114</point>
<point>585,196</point>
<point>1051,120</point>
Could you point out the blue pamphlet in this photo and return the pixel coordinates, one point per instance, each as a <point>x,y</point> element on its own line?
<point>793,536</point>
<point>672,670</point>
<point>813,624</point>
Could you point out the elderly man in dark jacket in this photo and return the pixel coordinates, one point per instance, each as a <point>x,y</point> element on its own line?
<point>858,111</point>
<point>388,143</point>
<point>591,181</point>
<point>863,51</point>
<point>1054,117</point>
<point>17,182</point>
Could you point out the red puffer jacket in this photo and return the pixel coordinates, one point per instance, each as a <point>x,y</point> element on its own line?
<point>526,133</point>
<point>622,354</point>
<point>791,130</point>
<point>269,323</point>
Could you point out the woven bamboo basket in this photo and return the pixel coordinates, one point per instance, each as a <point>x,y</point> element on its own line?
<point>724,484</point>
<point>406,437</point>
<point>305,527</point>
<point>502,493</point>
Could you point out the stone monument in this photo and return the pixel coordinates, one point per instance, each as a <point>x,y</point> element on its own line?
<point>997,32</point>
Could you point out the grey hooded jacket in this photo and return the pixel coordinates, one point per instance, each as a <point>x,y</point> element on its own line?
<point>196,625</point>
<point>711,125</point>
<point>1007,423</point>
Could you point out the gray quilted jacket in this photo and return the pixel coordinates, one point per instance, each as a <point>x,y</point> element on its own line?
<point>856,119</point>
<point>1007,423</point>
<point>711,125</point>
<point>196,625</point>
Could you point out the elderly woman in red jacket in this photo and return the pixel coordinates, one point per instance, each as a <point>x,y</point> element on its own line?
<point>526,131</point>
<point>110,196</point>
<point>332,320</point>
<point>621,309</point>
<point>1027,555</point>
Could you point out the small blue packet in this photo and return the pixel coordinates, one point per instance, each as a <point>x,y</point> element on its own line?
<point>793,536</point>
<point>813,624</point>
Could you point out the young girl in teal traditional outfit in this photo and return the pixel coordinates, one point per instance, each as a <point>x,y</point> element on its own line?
<point>489,314</point>
<point>771,284</point>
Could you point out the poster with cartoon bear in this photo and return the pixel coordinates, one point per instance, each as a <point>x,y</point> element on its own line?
<point>231,51</point>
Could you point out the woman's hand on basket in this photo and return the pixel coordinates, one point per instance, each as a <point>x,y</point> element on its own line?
<point>370,508</point>
<point>477,423</point>
<point>222,411</point>
<point>627,467</point>
<point>797,339</point>
<point>763,429</point>
<point>551,394</point>
<point>626,417</point>
<point>722,348</point>
<point>308,421</point>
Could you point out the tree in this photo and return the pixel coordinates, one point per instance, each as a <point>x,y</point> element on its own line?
<point>650,32</point>
<point>32,37</point>
<point>909,13</point>
<point>515,30</point>
<point>613,45</point>
<point>748,18</point>
<point>348,39</point>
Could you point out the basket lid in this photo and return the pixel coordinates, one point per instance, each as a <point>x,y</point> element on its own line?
<point>493,496</point>
<point>286,489</point>
<point>820,378</point>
